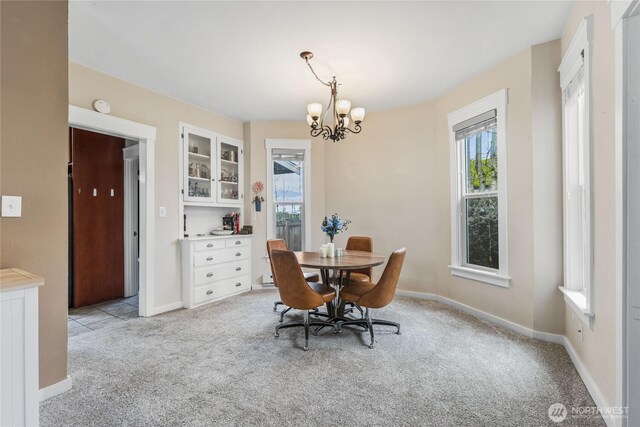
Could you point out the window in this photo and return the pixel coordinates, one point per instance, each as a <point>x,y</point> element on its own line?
<point>288,197</point>
<point>574,81</point>
<point>478,201</point>
<point>288,192</point>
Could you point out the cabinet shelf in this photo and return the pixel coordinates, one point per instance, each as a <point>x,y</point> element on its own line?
<point>205,153</point>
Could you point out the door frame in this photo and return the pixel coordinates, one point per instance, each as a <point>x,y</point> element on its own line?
<point>82,118</point>
<point>131,157</point>
<point>620,10</point>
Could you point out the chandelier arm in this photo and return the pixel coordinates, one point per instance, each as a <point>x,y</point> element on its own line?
<point>357,128</point>
<point>314,73</point>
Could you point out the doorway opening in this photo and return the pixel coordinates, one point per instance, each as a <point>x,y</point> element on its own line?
<point>136,158</point>
<point>103,230</point>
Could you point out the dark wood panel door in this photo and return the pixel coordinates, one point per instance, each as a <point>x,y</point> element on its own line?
<point>98,217</point>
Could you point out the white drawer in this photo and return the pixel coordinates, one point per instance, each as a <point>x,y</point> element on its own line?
<point>202,259</point>
<point>208,245</point>
<point>220,289</point>
<point>237,242</point>
<point>221,271</point>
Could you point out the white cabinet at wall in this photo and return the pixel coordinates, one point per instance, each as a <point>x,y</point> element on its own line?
<point>212,168</point>
<point>19,348</point>
<point>230,167</point>
<point>214,268</point>
<point>199,150</point>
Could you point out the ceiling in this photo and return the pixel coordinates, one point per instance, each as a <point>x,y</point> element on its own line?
<point>240,59</point>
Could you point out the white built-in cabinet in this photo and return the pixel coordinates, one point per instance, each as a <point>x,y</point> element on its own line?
<point>19,396</point>
<point>212,168</point>
<point>215,268</point>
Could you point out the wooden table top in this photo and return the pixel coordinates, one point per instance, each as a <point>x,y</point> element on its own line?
<point>12,279</point>
<point>350,260</point>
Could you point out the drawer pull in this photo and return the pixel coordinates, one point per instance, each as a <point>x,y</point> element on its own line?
<point>238,242</point>
<point>210,245</point>
<point>238,284</point>
<point>209,292</point>
<point>238,254</point>
<point>238,268</point>
<point>209,258</point>
<point>209,274</point>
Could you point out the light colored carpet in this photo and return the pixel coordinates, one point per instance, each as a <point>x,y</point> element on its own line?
<point>221,365</point>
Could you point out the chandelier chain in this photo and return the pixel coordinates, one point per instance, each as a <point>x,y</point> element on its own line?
<point>314,73</point>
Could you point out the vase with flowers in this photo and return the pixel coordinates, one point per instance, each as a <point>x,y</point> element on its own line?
<point>257,188</point>
<point>333,225</point>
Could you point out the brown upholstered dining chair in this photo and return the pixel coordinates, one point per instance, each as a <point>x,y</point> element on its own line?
<point>369,296</point>
<point>281,245</point>
<point>365,244</point>
<point>297,293</point>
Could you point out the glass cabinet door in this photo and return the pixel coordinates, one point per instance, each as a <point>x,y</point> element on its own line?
<point>199,173</point>
<point>230,170</point>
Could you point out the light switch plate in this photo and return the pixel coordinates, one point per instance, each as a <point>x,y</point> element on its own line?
<point>11,206</point>
<point>163,212</point>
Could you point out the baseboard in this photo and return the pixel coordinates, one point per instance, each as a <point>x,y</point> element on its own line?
<point>167,307</point>
<point>519,329</point>
<point>592,388</point>
<point>55,389</point>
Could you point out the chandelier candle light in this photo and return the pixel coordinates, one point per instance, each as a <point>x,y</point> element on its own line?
<point>339,124</point>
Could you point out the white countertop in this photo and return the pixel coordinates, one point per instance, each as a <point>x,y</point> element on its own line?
<point>209,237</point>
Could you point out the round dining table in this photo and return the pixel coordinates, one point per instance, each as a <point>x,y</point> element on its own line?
<point>336,271</point>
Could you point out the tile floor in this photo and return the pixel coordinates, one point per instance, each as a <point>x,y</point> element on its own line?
<point>98,316</point>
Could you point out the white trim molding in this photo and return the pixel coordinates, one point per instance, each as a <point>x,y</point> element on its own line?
<point>578,56</point>
<point>146,135</point>
<point>496,101</point>
<point>55,389</point>
<point>621,10</point>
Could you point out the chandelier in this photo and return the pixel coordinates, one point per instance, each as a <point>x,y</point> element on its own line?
<point>337,128</point>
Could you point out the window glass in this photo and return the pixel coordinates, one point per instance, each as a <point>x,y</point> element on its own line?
<point>481,158</point>
<point>482,232</point>
<point>288,197</point>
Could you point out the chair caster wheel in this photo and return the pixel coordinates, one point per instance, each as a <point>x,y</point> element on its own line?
<point>399,332</point>
<point>281,320</point>
<point>371,345</point>
<point>305,348</point>
<point>276,335</point>
<point>275,308</point>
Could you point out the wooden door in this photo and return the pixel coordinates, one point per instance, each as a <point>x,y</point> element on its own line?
<point>98,217</point>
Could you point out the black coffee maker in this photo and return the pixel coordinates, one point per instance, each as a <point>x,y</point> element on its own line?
<point>229,222</point>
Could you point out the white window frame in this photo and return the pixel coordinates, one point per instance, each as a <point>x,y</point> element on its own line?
<point>290,144</point>
<point>580,301</point>
<point>496,101</point>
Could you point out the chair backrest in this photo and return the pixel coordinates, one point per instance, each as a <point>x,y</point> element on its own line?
<point>361,243</point>
<point>293,288</point>
<point>383,293</point>
<point>275,245</point>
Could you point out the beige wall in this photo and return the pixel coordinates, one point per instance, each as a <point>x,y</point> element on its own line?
<point>597,351</point>
<point>514,303</point>
<point>254,139</point>
<point>33,162</point>
<point>546,130</point>
<point>385,180</point>
<point>393,181</point>
<point>144,106</point>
